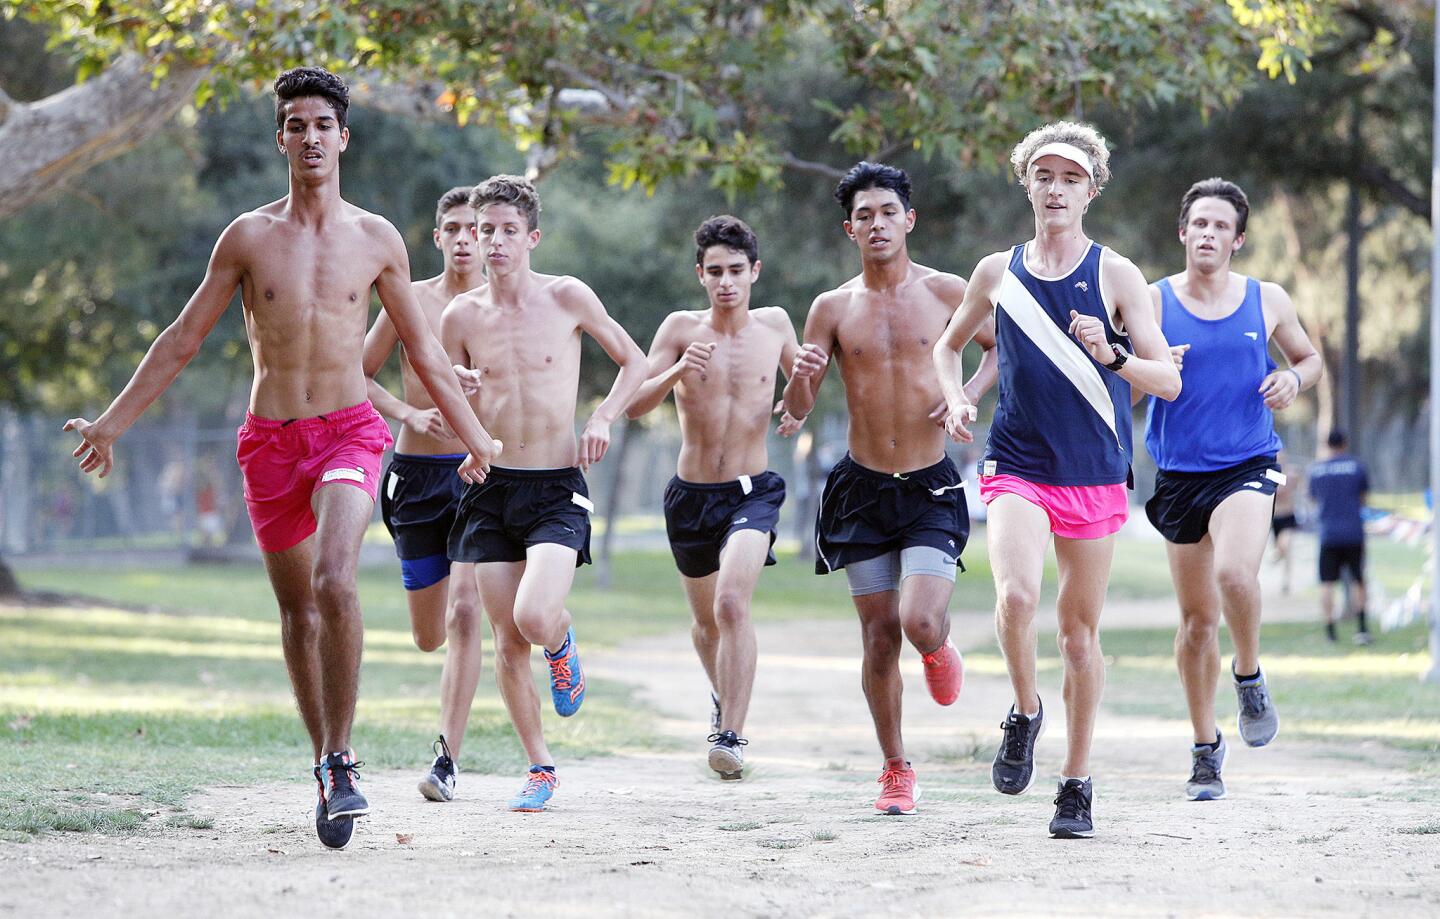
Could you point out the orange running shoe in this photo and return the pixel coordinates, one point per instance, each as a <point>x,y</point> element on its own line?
<point>944,672</point>
<point>898,789</point>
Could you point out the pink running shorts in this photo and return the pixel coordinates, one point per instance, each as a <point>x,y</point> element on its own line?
<point>284,462</point>
<point>1075,511</point>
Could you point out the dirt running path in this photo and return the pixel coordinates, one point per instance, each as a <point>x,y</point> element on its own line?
<point>1307,830</point>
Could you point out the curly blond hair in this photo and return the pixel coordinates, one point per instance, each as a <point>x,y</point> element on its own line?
<point>1075,133</point>
<point>515,191</point>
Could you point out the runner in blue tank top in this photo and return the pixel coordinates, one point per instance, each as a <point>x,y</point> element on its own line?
<point>1216,448</point>
<point>1067,312</point>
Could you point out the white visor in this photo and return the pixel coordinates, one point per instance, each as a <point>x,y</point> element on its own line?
<point>1067,151</point>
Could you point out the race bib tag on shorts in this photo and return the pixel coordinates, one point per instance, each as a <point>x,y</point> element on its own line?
<point>745,485</point>
<point>988,468</point>
<point>577,498</point>
<point>1276,476</point>
<point>341,474</point>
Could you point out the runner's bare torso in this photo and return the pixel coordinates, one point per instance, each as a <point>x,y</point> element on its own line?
<point>725,410</point>
<point>528,356</point>
<point>882,340</point>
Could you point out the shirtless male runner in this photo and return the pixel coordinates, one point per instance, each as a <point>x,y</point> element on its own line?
<point>892,512</point>
<point>528,525</point>
<point>1217,454</point>
<point>722,507</point>
<point>1057,461</point>
<point>420,493</point>
<point>305,266</point>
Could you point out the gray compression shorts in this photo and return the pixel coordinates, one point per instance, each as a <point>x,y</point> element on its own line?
<point>888,571</point>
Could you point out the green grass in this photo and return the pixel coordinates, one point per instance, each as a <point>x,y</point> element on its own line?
<point>1323,690</point>
<point>109,717</point>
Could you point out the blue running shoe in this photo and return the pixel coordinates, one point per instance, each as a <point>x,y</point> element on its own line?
<point>567,680</point>
<point>335,834</point>
<point>539,787</point>
<point>342,797</point>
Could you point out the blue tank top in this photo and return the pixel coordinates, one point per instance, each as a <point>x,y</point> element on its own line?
<point>1219,419</point>
<point>1062,418</point>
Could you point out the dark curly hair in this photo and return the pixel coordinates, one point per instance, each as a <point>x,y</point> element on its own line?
<point>311,81</point>
<point>725,230</point>
<point>865,175</point>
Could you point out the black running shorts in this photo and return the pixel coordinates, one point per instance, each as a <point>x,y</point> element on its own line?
<point>864,513</point>
<point>418,498</point>
<point>699,517</point>
<point>1336,559</point>
<point>514,509</point>
<point>1183,501</point>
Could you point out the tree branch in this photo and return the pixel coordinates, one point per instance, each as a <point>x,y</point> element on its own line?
<point>824,170</point>
<point>46,142</point>
<point>1381,180</point>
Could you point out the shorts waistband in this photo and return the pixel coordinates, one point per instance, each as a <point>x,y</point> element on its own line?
<point>726,485</point>
<point>339,416</point>
<point>941,466</point>
<point>1264,459</point>
<point>564,472</point>
<point>436,459</point>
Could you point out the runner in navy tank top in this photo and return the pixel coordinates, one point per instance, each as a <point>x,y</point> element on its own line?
<point>1067,314</point>
<point>1216,448</point>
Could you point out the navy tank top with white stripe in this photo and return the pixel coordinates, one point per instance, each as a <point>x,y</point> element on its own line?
<point>1062,418</point>
<point>1220,419</point>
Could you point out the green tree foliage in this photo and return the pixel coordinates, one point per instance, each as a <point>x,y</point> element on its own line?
<point>678,88</point>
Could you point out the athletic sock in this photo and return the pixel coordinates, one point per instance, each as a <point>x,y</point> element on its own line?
<point>1073,778</point>
<point>549,769</point>
<point>1240,678</point>
<point>1360,617</point>
<point>1212,745</point>
<point>1330,630</point>
<point>560,651</point>
<point>897,762</point>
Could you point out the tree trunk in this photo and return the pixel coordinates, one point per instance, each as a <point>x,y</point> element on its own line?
<point>46,142</point>
<point>9,586</point>
<point>616,461</point>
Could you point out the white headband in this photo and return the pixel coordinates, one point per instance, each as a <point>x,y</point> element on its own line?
<point>1067,151</point>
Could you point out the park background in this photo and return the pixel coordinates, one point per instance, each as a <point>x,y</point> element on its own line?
<point>140,651</point>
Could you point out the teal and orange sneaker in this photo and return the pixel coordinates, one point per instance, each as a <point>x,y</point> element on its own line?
<point>539,787</point>
<point>567,680</point>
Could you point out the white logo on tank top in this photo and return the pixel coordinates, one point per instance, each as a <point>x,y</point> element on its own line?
<point>1253,336</point>
<point>1083,285</point>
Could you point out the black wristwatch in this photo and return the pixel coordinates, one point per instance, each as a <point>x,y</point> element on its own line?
<point>1120,358</point>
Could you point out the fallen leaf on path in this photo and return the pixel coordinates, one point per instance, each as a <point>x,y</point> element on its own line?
<point>21,723</point>
<point>277,851</point>
<point>404,838</point>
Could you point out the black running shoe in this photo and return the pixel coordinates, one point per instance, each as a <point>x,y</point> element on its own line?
<point>726,757</point>
<point>334,834</point>
<point>1014,767</point>
<point>342,798</point>
<point>439,783</point>
<point>1072,810</point>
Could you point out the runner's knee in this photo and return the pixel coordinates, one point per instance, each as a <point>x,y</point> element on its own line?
<point>334,587</point>
<point>464,618</point>
<point>1016,602</point>
<point>1198,629</point>
<point>1235,579</point>
<point>1079,645</point>
<point>732,609</point>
